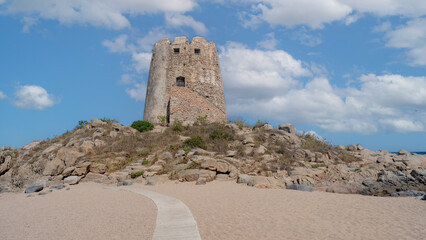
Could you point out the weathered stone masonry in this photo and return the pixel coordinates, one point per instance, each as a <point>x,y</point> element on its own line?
<point>185,82</point>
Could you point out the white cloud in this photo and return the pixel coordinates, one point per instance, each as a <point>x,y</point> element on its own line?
<point>406,8</point>
<point>118,45</point>
<point>127,79</point>
<point>33,97</point>
<point>28,22</point>
<point>306,39</point>
<point>179,20</point>
<point>317,13</point>
<point>100,13</point>
<point>258,73</point>
<point>138,92</point>
<point>267,85</point>
<point>269,43</point>
<point>2,95</point>
<point>147,42</point>
<point>403,125</point>
<point>141,61</point>
<point>411,36</point>
<point>313,13</point>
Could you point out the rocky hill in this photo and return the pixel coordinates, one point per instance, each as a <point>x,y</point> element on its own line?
<point>259,156</point>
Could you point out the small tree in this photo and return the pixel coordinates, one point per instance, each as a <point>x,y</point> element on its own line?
<point>142,126</point>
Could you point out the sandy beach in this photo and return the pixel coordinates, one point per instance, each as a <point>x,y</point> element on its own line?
<point>226,210</point>
<point>86,211</point>
<point>223,210</point>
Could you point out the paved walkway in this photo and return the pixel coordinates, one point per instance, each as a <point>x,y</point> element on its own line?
<point>174,219</point>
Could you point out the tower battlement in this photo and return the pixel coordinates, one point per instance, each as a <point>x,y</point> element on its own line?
<point>191,65</point>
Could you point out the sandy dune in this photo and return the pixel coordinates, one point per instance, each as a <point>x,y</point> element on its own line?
<point>223,210</point>
<point>87,211</point>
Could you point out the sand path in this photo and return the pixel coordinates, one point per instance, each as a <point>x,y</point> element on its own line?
<point>174,219</point>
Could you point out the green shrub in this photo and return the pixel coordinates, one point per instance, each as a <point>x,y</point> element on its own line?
<point>142,126</point>
<point>136,174</point>
<point>143,152</point>
<point>186,149</point>
<point>195,141</point>
<point>219,134</point>
<point>259,124</point>
<point>163,120</point>
<point>202,119</point>
<point>109,120</point>
<point>177,126</point>
<point>317,145</point>
<point>240,123</point>
<point>81,124</point>
<point>145,162</point>
<point>317,165</point>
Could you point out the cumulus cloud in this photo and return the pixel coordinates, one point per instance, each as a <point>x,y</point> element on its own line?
<point>317,13</point>
<point>179,20</point>
<point>269,42</point>
<point>33,97</point>
<point>258,73</point>
<point>410,36</point>
<point>313,13</point>
<point>406,8</point>
<point>100,13</point>
<point>137,92</point>
<point>268,85</point>
<point>2,95</point>
<point>118,45</point>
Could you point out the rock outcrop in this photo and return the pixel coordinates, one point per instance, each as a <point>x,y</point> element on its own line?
<point>261,157</point>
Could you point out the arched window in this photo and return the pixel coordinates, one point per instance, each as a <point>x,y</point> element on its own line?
<point>180,82</point>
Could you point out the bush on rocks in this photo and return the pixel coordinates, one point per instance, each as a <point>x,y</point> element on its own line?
<point>219,134</point>
<point>193,142</point>
<point>142,126</point>
<point>136,174</point>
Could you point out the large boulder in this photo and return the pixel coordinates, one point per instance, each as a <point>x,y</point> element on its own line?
<point>157,179</point>
<point>243,178</point>
<point>69,155</point>
<point>54,167</point>
<point>81,169</point>
<point>5,164</point>
<point>215,165</point>
<point>96,123</point>
<point>36,187</point>
<point>97,168</point>
<point>264,182</point>
<point>190,175</point>
<point>72,180</point>
<point>68,171</point>
<point>95,177</point>
<point>288,128</point>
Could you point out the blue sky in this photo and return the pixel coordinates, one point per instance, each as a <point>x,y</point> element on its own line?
<point>353,71</point>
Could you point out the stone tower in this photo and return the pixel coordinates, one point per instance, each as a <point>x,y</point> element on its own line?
<point>185,82</point>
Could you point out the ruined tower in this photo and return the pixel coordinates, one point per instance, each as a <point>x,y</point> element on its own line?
<point>185,82</point>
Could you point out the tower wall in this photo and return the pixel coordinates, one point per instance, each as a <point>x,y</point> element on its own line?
<point>157,93</point>
<point>198,63</point>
